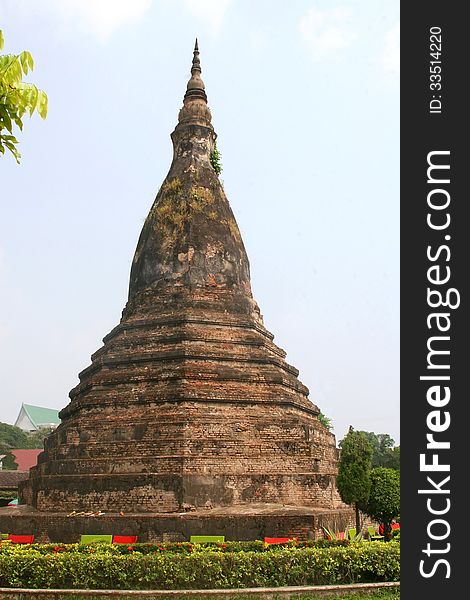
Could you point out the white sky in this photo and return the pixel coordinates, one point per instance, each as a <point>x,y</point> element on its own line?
<point>305,100</point>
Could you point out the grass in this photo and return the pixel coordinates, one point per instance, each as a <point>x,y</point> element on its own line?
<point>378,594</point>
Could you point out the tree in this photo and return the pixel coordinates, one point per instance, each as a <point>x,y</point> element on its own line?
<point>394,460</point>
<point>12,437</point>
<point>383,504</point>
<point>384,451</point>
<point>353,479</point>
<point>17,97</point>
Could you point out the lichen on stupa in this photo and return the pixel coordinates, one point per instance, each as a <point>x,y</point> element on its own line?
<point>189,404</point>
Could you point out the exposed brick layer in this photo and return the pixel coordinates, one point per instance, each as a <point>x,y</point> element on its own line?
<point>172,416</point>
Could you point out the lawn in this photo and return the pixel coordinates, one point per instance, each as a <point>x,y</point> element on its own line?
<point>378,594</point>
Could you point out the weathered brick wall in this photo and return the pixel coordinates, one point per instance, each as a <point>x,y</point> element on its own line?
<point>197,413</point>
<point>153,528</point>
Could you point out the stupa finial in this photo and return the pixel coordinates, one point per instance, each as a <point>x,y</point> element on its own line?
<point>195,87</point>
<point>196,61</point>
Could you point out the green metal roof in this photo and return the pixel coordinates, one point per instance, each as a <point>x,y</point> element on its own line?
<point>41,416</point>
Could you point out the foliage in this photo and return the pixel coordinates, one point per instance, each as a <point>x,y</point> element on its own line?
<point>17,97</point>
<point>202,569</point>
<point>394,459</point>
<point>12,437</point>
<point>384,451</point>
<point>215,158</point>
<point>384,499</point>
<point>8,462</point>
<point>169,547</point>
<point>357,537</point>
<point>8,495</point>
<point>330,535</point>
<point>36,438</point>
<point>353,471</point>
<point>326,421</point>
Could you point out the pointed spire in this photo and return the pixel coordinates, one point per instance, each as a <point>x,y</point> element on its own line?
<point>196,62</point>
<point>195,109</point>
<point>195,87</point>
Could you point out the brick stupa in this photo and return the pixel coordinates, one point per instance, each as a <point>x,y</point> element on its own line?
<point>189,411</point>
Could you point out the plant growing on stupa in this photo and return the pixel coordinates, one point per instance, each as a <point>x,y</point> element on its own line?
<point>326,421</point>
<point>215,158</point>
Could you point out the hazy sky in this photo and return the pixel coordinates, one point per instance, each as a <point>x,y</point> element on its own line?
<point>305,101</point>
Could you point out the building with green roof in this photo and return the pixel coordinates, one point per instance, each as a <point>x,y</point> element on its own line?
<point>32,418</point>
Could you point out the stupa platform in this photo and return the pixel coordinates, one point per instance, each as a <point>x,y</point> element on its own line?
<point>236,523</point>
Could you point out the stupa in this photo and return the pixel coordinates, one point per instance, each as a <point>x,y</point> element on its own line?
<point>189,412</point>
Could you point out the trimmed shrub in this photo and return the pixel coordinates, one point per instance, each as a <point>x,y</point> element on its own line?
<point>168,547</point>
<point>203,569</point>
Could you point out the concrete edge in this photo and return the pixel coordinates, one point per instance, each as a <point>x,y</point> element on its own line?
<point>318,589</point>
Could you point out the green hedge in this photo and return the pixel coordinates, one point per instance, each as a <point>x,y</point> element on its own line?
<point>361,562</point>
<point>172,547</point>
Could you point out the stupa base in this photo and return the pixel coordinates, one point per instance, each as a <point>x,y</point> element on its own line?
<point>251,522</point>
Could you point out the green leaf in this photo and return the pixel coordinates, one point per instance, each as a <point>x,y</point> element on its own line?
<point>12,72</point>
<point>17,97</point>
<point>24,63</point>
<point>32,96</point>
<point>18,122</point>
<point>29,60</point>
<point>6,121</point>
<point>43,103</point>
<point>11,138</point>
<point>3,110</point>
<point>5,63</point>
<point>12,149</point>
